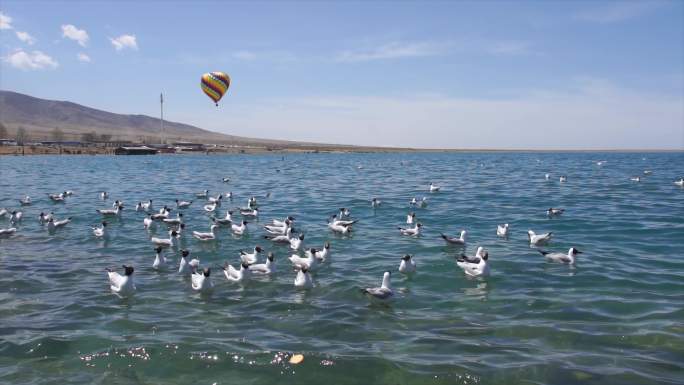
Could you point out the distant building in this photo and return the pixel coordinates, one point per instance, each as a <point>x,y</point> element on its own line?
<point>189,147</point>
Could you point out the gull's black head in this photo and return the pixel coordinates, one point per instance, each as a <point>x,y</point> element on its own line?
<point>128,270</point>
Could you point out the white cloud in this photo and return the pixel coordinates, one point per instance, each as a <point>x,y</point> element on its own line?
<point>617,11</point>
<point>83,57</point>
<point>392,50</point>
<point>79,35</point>
<point>124,41</point>
<point>245,55</point>
<point>35,60</point>
<point>510,48</point>
<point>25,37</point>
<point>592,114</point>
<point>5,21</point>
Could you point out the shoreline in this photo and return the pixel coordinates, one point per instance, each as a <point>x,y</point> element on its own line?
<point>66,150</point>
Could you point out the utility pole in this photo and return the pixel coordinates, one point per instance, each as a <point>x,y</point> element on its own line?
<point>161,104</point>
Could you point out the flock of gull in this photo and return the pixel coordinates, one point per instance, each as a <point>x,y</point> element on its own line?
<point>303,260</point>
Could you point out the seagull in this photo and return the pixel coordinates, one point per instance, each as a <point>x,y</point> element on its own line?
<point>201,281</point>
<point>251,202</point>
<point>148,222</point>
<point>162,214</point>
<point>375,202</point>
<point>3,212</point>
<point>159,260</point>
<point>110,212</point>
<point>122,284</point>
<point>423,203</point>
<point>104,195</point>
<point>215,200</point>
<point>433,187</point>
<point>183,204</point>
<point>234,275</point>
<point>339,228</point>
<point>53,224</point>
<point>410,218</point>
<point>249,212</point>
<point>414,201</point>
<point>284,222</point>
<point>600,162</point>
<point>16,217</point>
<point>303,279</point>
<point>563,179</point>
<point>57,197</point>
<point>554,212</point>
<point>382,292</point>
<point>100,231</point>
<point>461,240</point>
<point>227,220</point>
<point>281,238</point>
<point>174,221</point>
<point>117,203</point>
<point>277,229</point>
<point>211,207</point>
<point>648,172</point>
<point>68,193</point>
<point>202,194</point>
<point>264,268</point>
<point>210,236</point>
<point>502,230</point>
<point>146,205</point>
<point>568,258</point>
<point>407,265</point>
<point>475,266</point>
<point>308,262</point>
<point>26,201</point>
<point>239,229</point>
<point>540,239</point>
<point>296,243</point>
<point>8,231</point>
<point>345,222</point>
<point>45,218</point>
<point>635,179</point>
<point>415,231</point>
<point>228,195</point>
<point>250,258</point>
<point>165,242</point>
<point>225,180</point>
<point>185,267</point>
<point>680,182</point>
<point>344,213</point>
<point>547,176</point>
<point>321,255</point>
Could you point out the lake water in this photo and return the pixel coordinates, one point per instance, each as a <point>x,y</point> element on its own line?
<point>615,318</point>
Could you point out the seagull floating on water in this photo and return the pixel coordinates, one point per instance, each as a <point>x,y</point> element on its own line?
<point>563,179</point>
<point>407,265</point>
<point>322,254</point>
<point>250,258</point>
<point>165,242</point>
<point>104,195</point>
<point>45,218</point>
<point>635,179</point>
<point>680,182</point>
<point>303,279</point>
<point>16,216</point>
<point>8,231</point>
<point>554,212</point>
<point>264,268</point>
<point>183,204</point>
<point>53,224</point>
<point>410,218</point>
<point>502,230</point>
<point>475,266</point>
<point>568,258</point>
<point>375,202</point>
<point>185,266</point>
<point>539,239</point>
<point>201,281</point>
<point>239,229</point>
<point>202,194</point>
<point>159,259</point>
<point>308,262</point>
<point>26,201</point>
<point>100,231</point>
<point>111,212</point>
<point>412,231</point>
<point>234,275</point>
<point>384,291</point>
<point>461,240</point>
<point>121,284</point>
<point>210,236</point>
<point>296,243</point>
<point>433,187</point>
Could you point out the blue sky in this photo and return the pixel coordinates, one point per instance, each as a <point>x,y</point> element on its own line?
<point>487,74</point>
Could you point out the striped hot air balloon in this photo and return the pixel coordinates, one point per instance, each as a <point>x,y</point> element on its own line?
<point>215,84</point>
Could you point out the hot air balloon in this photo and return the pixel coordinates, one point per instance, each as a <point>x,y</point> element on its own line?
<point>215,84</point>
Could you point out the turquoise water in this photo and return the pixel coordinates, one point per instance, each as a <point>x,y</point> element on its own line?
<point>615,318</point>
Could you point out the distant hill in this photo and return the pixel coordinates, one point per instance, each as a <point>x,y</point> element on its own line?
<point>40,118</point>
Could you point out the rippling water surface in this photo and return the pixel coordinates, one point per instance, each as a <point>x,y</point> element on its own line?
<point>614,318</point>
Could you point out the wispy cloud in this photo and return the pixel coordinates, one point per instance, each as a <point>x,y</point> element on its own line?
<point>80,36</point>
<point>5,21</point>
<point>124,41</point>
<point>393,50</point>
<point>82,57</point>
<point>245,55</point>
<point>510,48</point>
<point>617,11</point>
<point>35,60</point>
<point>25,37</point>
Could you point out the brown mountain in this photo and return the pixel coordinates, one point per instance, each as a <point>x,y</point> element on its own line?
<point>41,118</point>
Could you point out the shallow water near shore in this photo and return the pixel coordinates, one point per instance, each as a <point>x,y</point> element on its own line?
<point>614,318</point>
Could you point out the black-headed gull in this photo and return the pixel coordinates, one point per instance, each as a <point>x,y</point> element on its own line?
<point>239,229</point>
<point>303,279</point>
<point>264,268</point>
<point>183,204</point>
<point>539,239</point>
<point>210,236</point>
<point>384,291</point>
<point>554,212</point>
<point>159,259</point>
<point>407,264</point>
<point>234,275</point>
<point>412,231</point>
<point>475,266</point>
<point>201,281</point>
<point>250,258</point>
<point>122,284</point>
<point>460,241</point>
<point>502,230</point>
<point>568,258</point>
<point>100,231</point>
